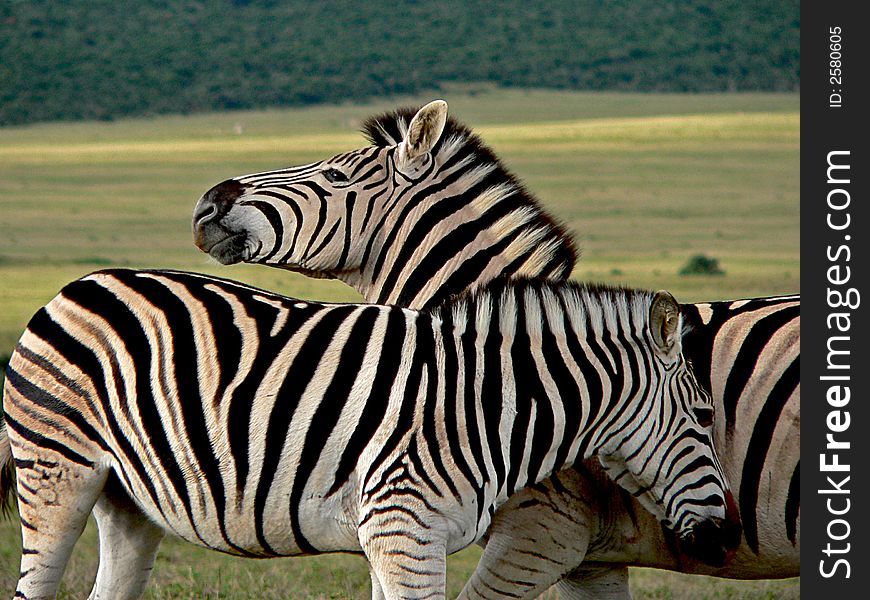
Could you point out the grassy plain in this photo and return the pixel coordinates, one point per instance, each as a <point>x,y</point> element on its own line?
<point>644,182</point>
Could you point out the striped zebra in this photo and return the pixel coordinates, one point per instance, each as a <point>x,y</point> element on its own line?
<point>415,240</point>
<point>262,426</point>
<point>407,223</point>
<point>747,353</point>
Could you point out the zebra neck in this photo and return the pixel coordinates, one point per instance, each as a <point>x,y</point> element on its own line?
<point>453,241</point>
<point>532,405</point>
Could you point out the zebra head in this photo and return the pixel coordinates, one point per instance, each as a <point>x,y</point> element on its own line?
<point>424,212</point>
<point>663,452</point>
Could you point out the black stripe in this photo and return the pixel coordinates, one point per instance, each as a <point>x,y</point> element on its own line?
<point>619,349</point>
<point>370,206</point>
<point>447,247</point>
<point>420,193</point>
<point>405,419</point>
<point>221,316</point>
<point>326,239</point>
<point>300,373</point>
<point>375,407</point>
<point>349,203</point>
<point>241,405</point>
<point>431,409</point>
<point>325,417</point>
<point>453,406</point>
<point>452,243</point>
<point>460,279</point>
<point>759,446</point>
<point>566,386</point>
<point>57,374</point>
<point>274,218</point>
<point>419,469</point>
<point>793,504</point>
<point>321,221</point>
<point>466,345</point>
<point>598,391</point>
<point>297,212</point>
<point>741,372</point>
<point>531,395</point>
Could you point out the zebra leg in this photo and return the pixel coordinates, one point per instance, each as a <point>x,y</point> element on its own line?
<point>540,534</point>
<point>377,590</point>
<point>55,497</point>
<point>128,546</point>
<point>595,583</point>
<point>406,564</point>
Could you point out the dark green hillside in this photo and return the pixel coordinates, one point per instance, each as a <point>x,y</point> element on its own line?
<point>112,58</point>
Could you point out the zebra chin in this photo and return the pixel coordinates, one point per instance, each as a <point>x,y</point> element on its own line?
<point>714,541</point>
<point>229,250</point>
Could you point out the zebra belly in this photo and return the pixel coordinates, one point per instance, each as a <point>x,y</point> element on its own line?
<point>321,524</point>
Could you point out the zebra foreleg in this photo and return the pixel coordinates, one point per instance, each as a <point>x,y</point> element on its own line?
<point>595,583</point>
<point>404,564</point>
<point>377,590</point>
<point>55,497</point>
<point>128,546</point>
<point>540,534</point>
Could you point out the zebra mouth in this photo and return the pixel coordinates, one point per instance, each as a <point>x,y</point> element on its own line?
<point>712,542</point>
<point>715,541</point>
<point>230,250</point>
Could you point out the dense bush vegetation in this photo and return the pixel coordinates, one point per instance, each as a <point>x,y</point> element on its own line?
<point>110,58</point>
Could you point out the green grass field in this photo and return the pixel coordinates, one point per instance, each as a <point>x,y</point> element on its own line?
<point>644,181</point>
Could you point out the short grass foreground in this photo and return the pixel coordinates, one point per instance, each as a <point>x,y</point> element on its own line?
<point>646,182</point>
<point>184,571</point>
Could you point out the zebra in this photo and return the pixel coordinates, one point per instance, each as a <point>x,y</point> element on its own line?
<point>262,426</point>
<point>434,234</point>
<point>742,351</point>
<point>390,220</point>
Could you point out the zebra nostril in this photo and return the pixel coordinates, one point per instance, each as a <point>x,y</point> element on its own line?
<point>204,212</point>
<point>217,201</point>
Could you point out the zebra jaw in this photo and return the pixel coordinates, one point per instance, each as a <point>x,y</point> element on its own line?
<point>228,250</point>
<point>313,273</point>
<point>234,248</point>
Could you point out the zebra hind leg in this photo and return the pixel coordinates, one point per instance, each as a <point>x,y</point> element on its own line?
<point>128,546</point>
<point>55,497</point>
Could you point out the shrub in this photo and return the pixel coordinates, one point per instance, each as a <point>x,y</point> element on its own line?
<point>701,264</point>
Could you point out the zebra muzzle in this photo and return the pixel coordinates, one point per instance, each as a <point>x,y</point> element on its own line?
<point>715,541</point>
<point>208,234</point>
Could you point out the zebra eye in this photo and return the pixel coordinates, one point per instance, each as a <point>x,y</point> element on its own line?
<point>704,414</point>
<point>334,176</point>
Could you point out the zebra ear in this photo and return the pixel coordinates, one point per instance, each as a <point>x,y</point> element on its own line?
<point>425,130</point>
<point>664,324</point>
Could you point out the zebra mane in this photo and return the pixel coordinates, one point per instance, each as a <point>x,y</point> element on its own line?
<point>595,307</point>
<point>388,129</point>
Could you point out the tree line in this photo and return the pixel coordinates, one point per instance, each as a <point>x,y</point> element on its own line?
<point>103,59</point>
